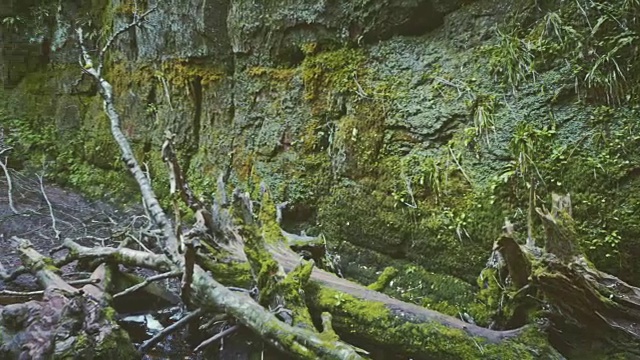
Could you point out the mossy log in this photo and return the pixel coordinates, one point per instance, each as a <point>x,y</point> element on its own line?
<point>370,320</point>
<point>66,322</point>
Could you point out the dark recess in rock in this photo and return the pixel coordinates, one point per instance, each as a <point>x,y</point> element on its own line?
<point>296,217</point>
<point>290,53</point>
<point>424,19</point>
<point>290,56</point>
<point>420,20</point>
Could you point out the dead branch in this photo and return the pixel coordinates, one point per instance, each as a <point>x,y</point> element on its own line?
<point>3,164</point>
<point>216,337</point>
<point>122,256</point>
<point>16,297</point>
<point>214,319</point>
<point>31,294</point>
<point>53,218</point>
<point>38,264</point>
<point>180,185</point>
<point>146,282</point>
<point>148,344</point>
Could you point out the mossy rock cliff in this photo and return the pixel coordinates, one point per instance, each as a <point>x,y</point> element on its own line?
<point>404,131</point>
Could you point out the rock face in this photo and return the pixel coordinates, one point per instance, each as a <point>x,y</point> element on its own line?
<point>383,123</point>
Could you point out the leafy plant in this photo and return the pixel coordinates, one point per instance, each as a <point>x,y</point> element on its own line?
<point>419,174</point>
<point>595,40</point>
<point>512,58</point>
<point>527,145</point>
<point>482,110</point>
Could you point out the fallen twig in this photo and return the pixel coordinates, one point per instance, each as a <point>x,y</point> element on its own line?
<point>21,293</point>
<point>216,337</point>
<point>82,282</point>
<point>3,164</point>
<point>168,330</point>
<point>146,282</point>
<point>215,319</point>
<point>53,218</point>
<point>41,292</point>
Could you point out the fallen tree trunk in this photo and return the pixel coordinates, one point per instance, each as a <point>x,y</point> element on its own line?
<point>366,317</point>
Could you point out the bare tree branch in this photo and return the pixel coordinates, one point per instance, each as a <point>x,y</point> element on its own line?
<point>216,337</point>
<point>53,218</point>
<point>146,282</point>
<point>3,164</point>
<point>138,19</point>
<point>169,330</point>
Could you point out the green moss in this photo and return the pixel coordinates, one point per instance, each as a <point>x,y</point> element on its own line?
<point>493,301</point>
<point>277,78</point>
<point>384,279</point>
<point>182,72</point>
<point>455,228</point>
<point>109,313</point>
<point>291,289</point>
<point>229,273</point>
<point>117,346</point>
<point>271,231</point>
<point>353,317</point>
<point>332,73</point>
<point>81,343</point>
<point>129,7</point>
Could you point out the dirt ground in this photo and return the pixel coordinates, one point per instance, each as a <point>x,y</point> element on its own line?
<point>88,222</point>
<point>75,217</point>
